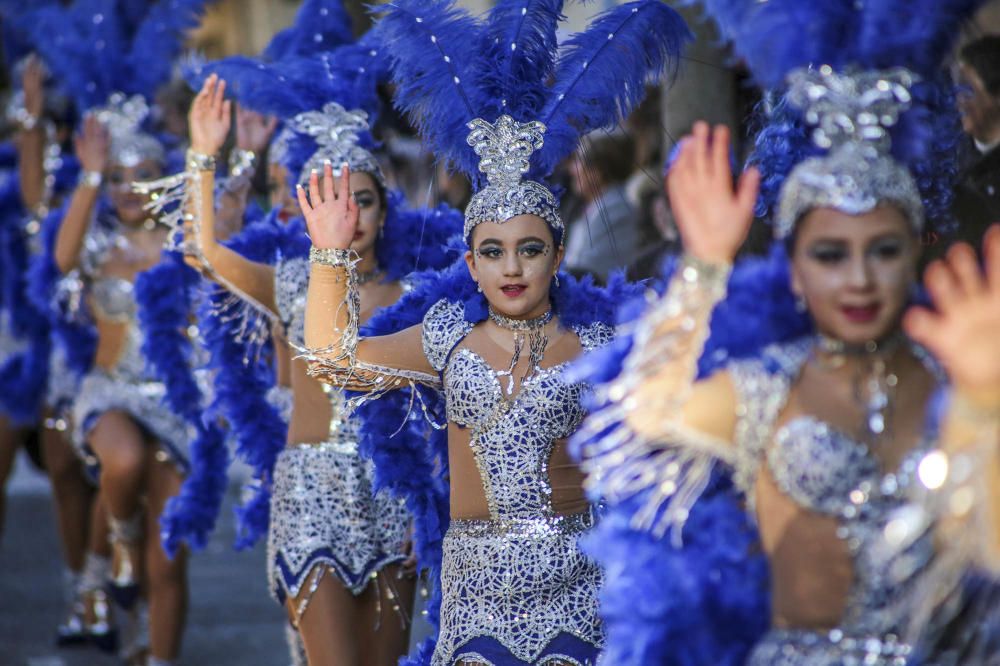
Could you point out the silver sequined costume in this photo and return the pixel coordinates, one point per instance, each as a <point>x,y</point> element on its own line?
<point>820,468</point>
<point>128,387</point>
<point>323,510</point>
<point>518,577</point>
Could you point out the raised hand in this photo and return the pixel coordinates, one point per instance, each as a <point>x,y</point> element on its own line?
<point>713,219</point>
<point>209,118</point>
<point>961,331</point>
<point>33,84</point>
<point>331,213</point>
<point>92,145</point>
<point>253,130</point>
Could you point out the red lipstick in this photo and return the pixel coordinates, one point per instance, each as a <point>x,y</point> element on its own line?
<point>513,290</point>
<point>865,314</point>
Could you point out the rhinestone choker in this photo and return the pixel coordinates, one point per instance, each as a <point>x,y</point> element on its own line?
<point>368,276</point>
<point>520,324</point>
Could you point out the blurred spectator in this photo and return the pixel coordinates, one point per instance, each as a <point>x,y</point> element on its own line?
<point>608,234</point>
<point>657,221</point>
<point>977,196</point>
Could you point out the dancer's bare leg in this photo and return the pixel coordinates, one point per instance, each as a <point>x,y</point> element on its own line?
<point>384,619</point>
<point>124,455</point>
<point>10,440</point>
<point>72,494</point>
<point>166,578</point>
<point>328,625</point>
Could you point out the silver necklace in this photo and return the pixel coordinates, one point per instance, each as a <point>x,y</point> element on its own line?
<point>873,384</point>
<point>367,276</point>
<point>532,329</point>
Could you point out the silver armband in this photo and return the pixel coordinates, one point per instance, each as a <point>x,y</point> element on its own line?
<point>199,162</point>
<point>242,163</point>
<point>331,256</point>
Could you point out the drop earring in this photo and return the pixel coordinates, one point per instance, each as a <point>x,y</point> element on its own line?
<point>479,287</point>
<point>556,276</point>
<point>800,303</point>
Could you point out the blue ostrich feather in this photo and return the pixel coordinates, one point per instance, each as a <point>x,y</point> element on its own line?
<point>320,25</point>
<point>518,56</point>
<point>602,73</point>
<point>433,48</point>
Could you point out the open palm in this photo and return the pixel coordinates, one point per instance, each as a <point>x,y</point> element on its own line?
<point>961,330</point>
<point>209,117</point>
<point>712,217</point>
<point>331,212</point>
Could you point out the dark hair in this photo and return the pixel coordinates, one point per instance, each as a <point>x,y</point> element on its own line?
<point>983,55</point>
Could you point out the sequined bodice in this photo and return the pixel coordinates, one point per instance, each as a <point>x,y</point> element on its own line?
<point>511,438</point>
<point>291,282</point>
<point>826,471</point>
<point>114,299</point>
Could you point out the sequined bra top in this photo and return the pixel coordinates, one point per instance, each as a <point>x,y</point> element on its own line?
<point>512,439</point>
<point>113,298</point>
<point>826,471</point>
<point>291,283</point>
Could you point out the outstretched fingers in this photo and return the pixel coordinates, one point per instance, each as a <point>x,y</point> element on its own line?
<point>304,205</point>
<point>328,193</point>
<point>314,195</point>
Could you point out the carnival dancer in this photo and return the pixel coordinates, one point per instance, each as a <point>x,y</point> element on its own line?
<point>337,550</point>
<point>502,323</point>
<point>120,422</point>
<point>823,433</point>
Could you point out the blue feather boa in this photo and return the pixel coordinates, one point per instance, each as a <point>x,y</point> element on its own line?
<point>24,375</point>
<point>243,376</point>
<point>71,327</point>
<point>164,295</point>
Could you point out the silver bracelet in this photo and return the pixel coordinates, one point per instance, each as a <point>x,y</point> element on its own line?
<point>199,162</point>
<point>242,163</point>
<point>332,256</point>
<point>91,179</point>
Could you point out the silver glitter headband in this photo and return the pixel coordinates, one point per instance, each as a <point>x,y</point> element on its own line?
<point>337,131</point>
<point>123,117</point>
<point>505,150</point>
<point>851,114</point>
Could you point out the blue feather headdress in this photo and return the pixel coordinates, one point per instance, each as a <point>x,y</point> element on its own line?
<point>861,111</point>
<point>111,56</point>
<point>499,100</point>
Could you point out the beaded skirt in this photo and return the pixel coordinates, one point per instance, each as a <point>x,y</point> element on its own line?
<point>519,592</point>
<point>799,647</point>
<point>323,512</point>
<point>102,392</point>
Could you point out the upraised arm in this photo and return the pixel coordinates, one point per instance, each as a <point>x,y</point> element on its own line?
<point>668,429</point>
<point>961,333</point>
<point>209,120</point>
<point>31,139</point>
<point>92,145</point>
<point>336,354</point>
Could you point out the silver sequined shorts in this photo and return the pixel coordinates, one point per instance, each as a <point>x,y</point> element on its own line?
<point>323,512</point>
<point>102,392</point>
<point>519,591</point>
<point>798,647</point>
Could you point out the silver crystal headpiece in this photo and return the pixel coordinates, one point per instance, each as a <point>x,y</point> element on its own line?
<point>851,114</point>
<point>504,149</point>
<point>123,117</point>
<point>337,132</point>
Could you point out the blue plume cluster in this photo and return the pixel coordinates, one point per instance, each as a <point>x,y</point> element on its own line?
<point>450,68</point>
<point>97,47</point>
<point>416,239</point>
<point>165,298</point>
<point>320,25</point>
